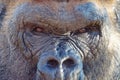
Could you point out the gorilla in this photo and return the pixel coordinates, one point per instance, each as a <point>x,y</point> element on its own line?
<point>59,40</point>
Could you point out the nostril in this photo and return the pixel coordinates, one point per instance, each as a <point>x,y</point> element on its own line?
<point>69,63</point>
<point>52,63</point>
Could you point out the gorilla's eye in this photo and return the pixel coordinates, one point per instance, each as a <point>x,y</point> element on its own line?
<point>69,63</point>
<point>82,30</point>
<point>89,28</point>
<point>52,63</point>
<point>37,29</point>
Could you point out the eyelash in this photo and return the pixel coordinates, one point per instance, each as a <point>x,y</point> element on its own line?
<point>86,29</point>
<point>90,28</point>
<point>38,29</point>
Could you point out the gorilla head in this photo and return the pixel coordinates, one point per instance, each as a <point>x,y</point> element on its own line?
<point>59,40</point>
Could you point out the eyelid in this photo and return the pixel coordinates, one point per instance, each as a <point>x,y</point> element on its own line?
<point>89,28</point>
<point>37,29</point>
<point>94,27</point>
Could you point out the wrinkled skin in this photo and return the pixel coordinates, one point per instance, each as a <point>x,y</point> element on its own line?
<point>59,40</point>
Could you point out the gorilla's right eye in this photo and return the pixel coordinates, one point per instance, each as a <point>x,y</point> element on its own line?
<point>34,28</point>
<point>37,29</point>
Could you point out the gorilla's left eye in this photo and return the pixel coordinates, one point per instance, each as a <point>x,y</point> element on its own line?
<point>89,28</point>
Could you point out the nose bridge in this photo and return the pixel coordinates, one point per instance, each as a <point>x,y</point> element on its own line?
<point>62,48</point>
<point>65,50</point>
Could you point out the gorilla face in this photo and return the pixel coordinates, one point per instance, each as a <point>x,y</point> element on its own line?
<point>61,40</point>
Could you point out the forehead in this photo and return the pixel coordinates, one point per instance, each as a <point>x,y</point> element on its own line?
<point>63,16</point>
<point>57,3</point>
<point>61,6</point>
